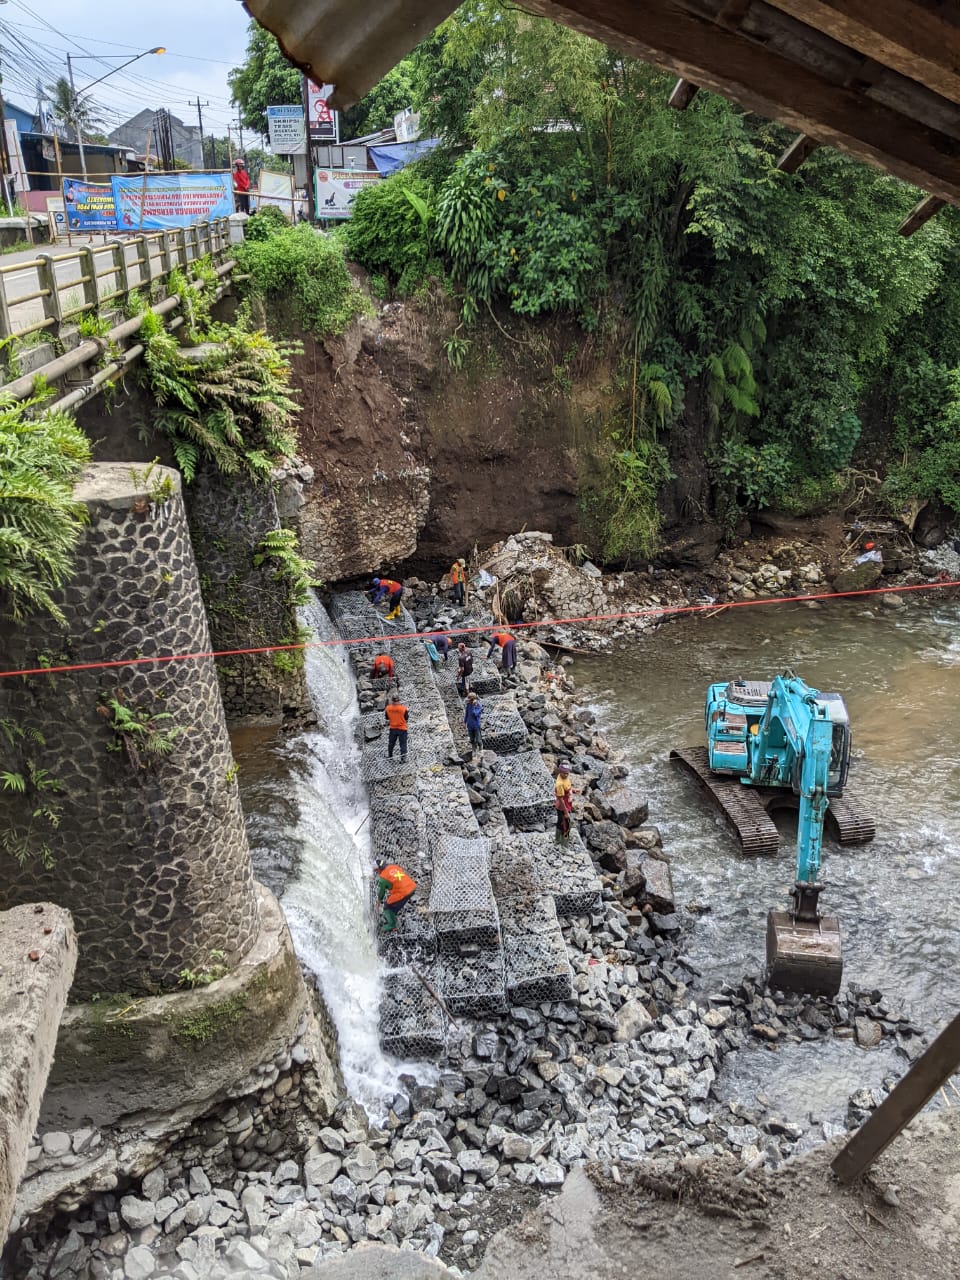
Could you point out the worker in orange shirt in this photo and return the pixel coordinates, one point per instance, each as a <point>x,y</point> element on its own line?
<point>382,666</point>
<point>508,650</point>
<point>396,714</point>
<point>397,888</point>
<point>458,580</point>
<point>387,587</point>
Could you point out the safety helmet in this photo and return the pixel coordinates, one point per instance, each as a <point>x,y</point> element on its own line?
<point>376,582</point>
<point>461,562</point>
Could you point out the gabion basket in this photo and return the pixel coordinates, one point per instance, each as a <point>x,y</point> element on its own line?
<point>565,871</point>
<point>462,904</point>
<point>411,1022</point>
<point>535,960</point>
<point>472,984</point>
<point>524,788</point>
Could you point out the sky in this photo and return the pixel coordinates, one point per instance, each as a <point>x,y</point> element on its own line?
<point>203,39</point>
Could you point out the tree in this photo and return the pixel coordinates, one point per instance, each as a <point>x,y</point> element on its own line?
<point>73,112</point>
<point>377,108</point>
<point>266,79</point>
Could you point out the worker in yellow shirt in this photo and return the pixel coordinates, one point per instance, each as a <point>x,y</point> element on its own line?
<point>563,802</point>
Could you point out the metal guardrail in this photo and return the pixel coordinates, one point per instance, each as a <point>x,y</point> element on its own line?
<point>65,286</point>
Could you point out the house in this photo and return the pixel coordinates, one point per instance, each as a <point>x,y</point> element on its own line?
<point>185,137</point>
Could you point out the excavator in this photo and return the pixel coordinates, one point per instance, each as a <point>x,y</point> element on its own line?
<point>771,745</point>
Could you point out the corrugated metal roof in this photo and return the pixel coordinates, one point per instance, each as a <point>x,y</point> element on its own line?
<point>349,43</point>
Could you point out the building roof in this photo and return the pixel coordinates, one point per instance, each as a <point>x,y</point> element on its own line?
<point>879,79</point>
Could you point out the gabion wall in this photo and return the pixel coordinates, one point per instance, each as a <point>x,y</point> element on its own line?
<point>150,855</point>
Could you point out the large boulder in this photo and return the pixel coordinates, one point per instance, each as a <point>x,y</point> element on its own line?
<point>858,577</point>
<point>625,805</point>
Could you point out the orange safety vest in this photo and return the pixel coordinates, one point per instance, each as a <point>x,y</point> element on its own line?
<point>502,637</point>
<point>456,574</point>
<point>382,665</point>
<point>401,886</point>
<point>396,715</point>
<point>390,585</point>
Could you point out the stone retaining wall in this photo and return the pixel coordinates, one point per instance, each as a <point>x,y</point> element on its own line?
<point>150,852</point>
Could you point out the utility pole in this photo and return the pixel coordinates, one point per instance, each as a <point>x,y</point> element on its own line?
<point>200,105</point>
<point>239,131</point>
<point>76,126</point>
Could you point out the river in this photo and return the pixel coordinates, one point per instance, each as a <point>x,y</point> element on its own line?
<point>897,898</point>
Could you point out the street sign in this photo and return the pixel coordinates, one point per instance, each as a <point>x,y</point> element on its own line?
<point>336,190</point>
<point>322,121</point>
<point>286,129</point>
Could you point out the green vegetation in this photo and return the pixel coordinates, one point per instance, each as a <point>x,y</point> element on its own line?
<point>210,972</point>
<point>265,223</point>
<point>232,407</point>
<point>303,275</point>
<point>41,457</point>
<point>142,735</point>
<point>213,1020</point>
<point>35,783</point>
<point>278,549</point>
<point>390,231</point>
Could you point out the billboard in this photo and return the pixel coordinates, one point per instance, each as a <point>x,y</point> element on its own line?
<point>276,189</point>
<point>89,206</point>
<point>336,189</point>
<point>323,123</point>
<point>287,131</point>
<point>167,200</point>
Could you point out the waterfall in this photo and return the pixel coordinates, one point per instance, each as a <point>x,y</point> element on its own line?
<point>326,901</point>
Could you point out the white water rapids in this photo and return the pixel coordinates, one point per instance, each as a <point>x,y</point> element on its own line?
<point>326,899</point>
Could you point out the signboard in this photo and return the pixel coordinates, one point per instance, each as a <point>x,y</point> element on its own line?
<point>276,189</point>
<point>288,136</point>
<point>336,190</point>
<point>171,199</point>
<point>89,206</point>
<point>56,217</point>
<point>406,125</point>
<point>323,123</point>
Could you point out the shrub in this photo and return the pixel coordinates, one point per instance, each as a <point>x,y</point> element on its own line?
<point>389,231</point>
<point>266,222</point>
<point>303,271</point>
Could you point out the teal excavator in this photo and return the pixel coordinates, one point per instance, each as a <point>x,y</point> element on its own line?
<point>775,744</point>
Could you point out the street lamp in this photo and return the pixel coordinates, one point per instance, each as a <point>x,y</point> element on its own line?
<point>75,97</point>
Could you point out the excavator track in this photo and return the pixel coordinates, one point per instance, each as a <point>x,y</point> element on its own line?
<point>740,805</point>
<point>848,824</point>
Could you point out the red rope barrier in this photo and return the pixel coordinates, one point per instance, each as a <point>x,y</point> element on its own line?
<point>658,611</point>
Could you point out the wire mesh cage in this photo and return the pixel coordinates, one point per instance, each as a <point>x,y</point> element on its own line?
<point>486,678</point>
<point>564,871</point>
<point>536,968</point>
<point>471,979</point>
<point>524,788</point>
<point>411,1021</point>
<point>503,729</point>
<point>462,905</point>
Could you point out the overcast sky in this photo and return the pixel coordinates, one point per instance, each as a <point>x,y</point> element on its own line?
<point>203,39</point>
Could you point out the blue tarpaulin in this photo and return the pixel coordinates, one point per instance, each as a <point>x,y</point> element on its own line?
<point>391,156</point>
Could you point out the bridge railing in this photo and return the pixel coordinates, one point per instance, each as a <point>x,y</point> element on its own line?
<point>53,289</point>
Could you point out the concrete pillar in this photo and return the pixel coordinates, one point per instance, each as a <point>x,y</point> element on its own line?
<point>150,854</point>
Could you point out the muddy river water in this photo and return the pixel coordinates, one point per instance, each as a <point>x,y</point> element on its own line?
<point>898,898</point>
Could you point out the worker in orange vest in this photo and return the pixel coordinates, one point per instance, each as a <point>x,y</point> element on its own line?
<point>458,578</point>
<point>508,649</point>
<point>387,587</point>
<point>382,666</point>
<point>396,714</point>
<point>397,888</point>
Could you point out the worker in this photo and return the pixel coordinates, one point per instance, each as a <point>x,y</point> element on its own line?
<point>443,646</point>
<point>464,669</point>
<point>387,587</point>
<point>508,650</point>
<point>458,579</point>
<point>432,653</point>
<point>396,715</point>
<point>241,186</point>
<point>563,802</point>
<point>394,885</point>
<point>382,666</point>
<point>472,715</point>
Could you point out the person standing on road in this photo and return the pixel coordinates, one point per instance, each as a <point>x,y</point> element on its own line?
<point>396,716</point>
<point>508,650</point>
<point>458,581</point>
<point>394,885</point>
<point>472,716</point>
<point>464,669</point>
<point>241,186</point>
<point>563,802</point>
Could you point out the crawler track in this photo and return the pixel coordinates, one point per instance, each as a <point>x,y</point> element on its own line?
<point>848,824</point>
<point>740,805</point>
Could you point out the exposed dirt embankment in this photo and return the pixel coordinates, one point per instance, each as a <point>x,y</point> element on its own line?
<point>414,458</point>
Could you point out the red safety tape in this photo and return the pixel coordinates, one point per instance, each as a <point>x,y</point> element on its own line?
<point>658,611</point>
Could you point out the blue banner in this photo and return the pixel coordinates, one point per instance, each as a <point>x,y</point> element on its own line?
<point>171,200</point>
<point>88,206</point>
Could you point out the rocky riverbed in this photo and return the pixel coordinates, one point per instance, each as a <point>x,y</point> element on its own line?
<point>625,1069</point>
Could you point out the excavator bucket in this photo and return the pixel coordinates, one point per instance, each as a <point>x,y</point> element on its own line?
<point>804,955</point>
